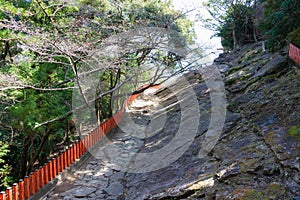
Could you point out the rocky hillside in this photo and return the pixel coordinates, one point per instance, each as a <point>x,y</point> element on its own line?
<point>255,157</point>
<point>258,153</point>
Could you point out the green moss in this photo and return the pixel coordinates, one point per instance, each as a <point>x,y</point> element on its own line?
<point>252,194</point>
<point>253,84</point>
<point>275,189</point>
<point>249,57</point>
<point>234,69</point>
<point>294,131</point>
<point>230,81</point>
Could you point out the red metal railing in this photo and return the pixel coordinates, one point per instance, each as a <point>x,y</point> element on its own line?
<point>294,53</point>
<point>43,175</point>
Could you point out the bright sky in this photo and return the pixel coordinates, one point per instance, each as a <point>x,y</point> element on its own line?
<point>202,33</point>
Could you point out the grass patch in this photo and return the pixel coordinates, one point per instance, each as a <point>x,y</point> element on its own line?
<point>294,132</point>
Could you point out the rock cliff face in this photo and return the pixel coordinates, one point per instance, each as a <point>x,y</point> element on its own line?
<point>258,153</point>
<point>255,157</point>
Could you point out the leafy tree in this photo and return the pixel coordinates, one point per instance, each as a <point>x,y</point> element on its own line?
<point>233,20</point>
<point>5,169</point>
<point>281,23</point>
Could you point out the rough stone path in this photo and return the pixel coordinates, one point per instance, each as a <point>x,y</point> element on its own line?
<point>100,177</point>
<point>115,171</point>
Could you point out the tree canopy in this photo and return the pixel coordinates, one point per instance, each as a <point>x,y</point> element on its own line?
<point>281,23</point>
<point>240,22</point>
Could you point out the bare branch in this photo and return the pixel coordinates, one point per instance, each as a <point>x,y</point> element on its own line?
<point>82,106</point>
<point>35,88</point>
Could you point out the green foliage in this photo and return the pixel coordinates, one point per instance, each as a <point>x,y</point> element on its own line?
<point>253,194</point>
<point>5,179</point>
<point>294,132</point>
<point>294,36</point>
<point>238,18</point>
<point>232,20</point>
<point>30,107</point>
<point>281,23</point>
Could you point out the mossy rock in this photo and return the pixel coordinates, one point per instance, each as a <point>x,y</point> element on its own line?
<point>234,69</point>
<point>294,132</point>
<point>275,190</point>
<point>253,194</point>
<point>247,194</point>
<point>250,54</point>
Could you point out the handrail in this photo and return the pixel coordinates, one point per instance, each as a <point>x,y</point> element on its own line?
<point>30,185</point>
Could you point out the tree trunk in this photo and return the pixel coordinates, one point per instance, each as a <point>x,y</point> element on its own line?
<point>235,43</point>
<point>23,161</point>
<point>118,76</point>
<point>39,150</point>
<point>255,32</point>
<point>255,23</point>
<point>110,111</point>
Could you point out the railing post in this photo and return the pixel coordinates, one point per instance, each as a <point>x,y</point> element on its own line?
<point>46,179</point>
<point>54,167</point>
<point>3,195</point>
<point>87,142</point>
<point>42,176</point>
<point>83,145</point>
<point>105,127</point>
<point>21,190</point>
<point>71,153</point>
<point>81,148</point>
<point>93,138</point>
<point>102,131</point>
<point>50,170</point>
<point>15,190</point>
<point>62,167</point>
<point>69,156</point>
<point>31,183</point>
<point>75,151</point>
<point>88,137</point>
<point>36,180</point>
<point>58,162</point>
<point>26,187</point>
<point>97,134</point>
<point>65,158</point>
<point>9,193</point>
<point>78,149</point>
<point>90,140</point>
